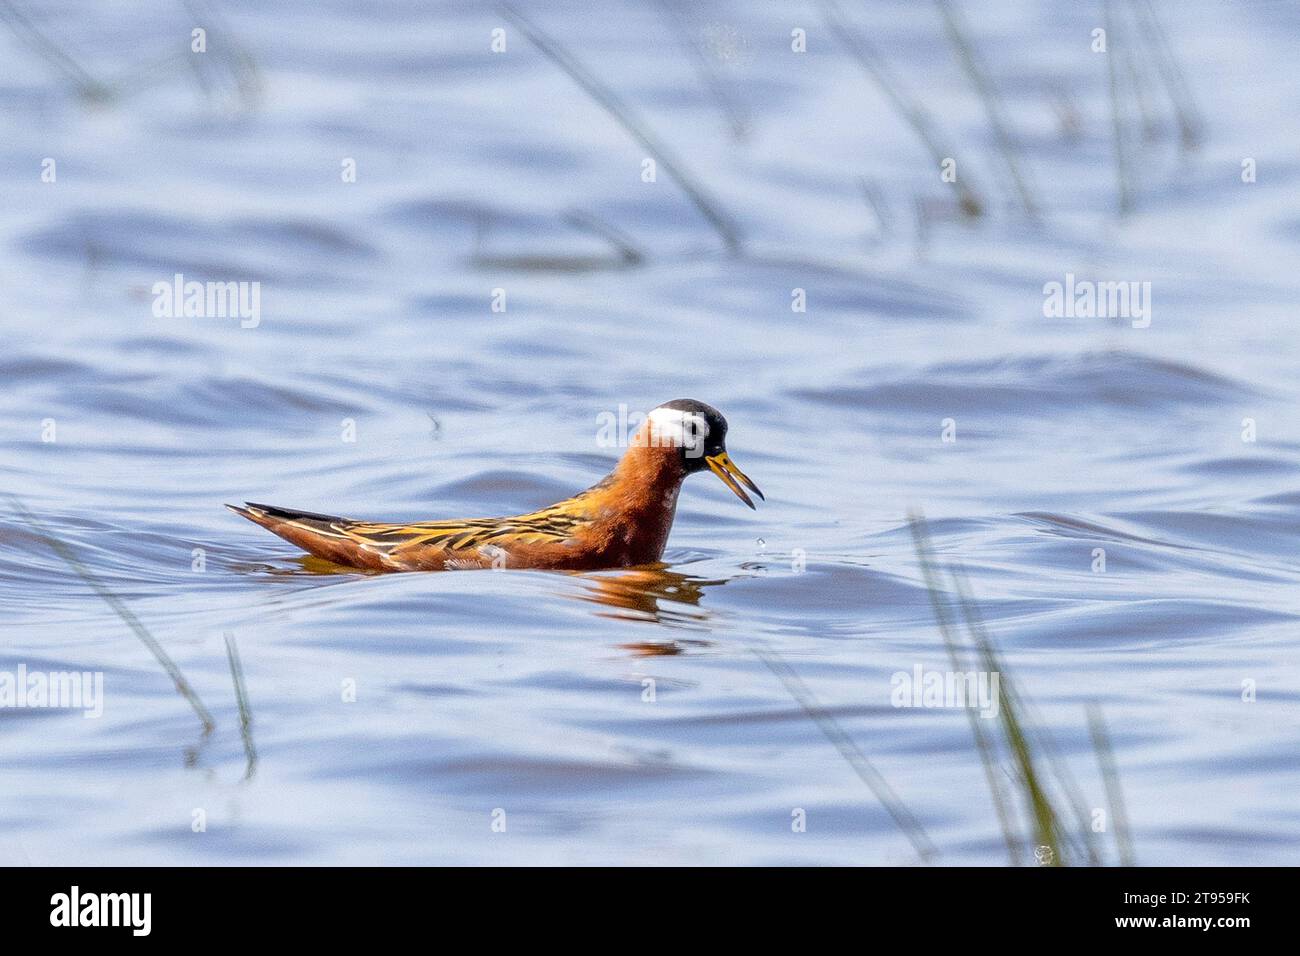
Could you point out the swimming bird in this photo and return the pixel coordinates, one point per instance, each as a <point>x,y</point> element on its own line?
<point>621,521</point>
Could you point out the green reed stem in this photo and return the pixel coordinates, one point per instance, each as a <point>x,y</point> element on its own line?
<point>1190,124</point>
<point>241,698</point>
<point>983,743</point>
<point>1116,114</point>
<point>959,34</point>
<point>1110,779</point>
<point>614,105</point>
<point>905,105</point>
<point>125,613</point>
<point>848,749</point>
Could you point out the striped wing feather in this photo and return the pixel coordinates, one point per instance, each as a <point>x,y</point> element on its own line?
<point>430,544</point>
<point>555,525</point>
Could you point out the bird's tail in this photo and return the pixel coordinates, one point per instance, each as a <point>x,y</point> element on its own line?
<point>322,535</point>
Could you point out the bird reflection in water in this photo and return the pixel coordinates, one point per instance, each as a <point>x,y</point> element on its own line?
<point>651,593</point>
<point>654,594</point>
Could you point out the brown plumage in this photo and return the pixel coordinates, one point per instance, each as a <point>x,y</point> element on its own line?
<point>622,521</point>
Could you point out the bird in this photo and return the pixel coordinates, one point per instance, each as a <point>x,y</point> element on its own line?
<point>621,521</point>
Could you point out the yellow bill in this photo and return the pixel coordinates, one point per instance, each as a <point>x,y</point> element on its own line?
<point>722,466</point>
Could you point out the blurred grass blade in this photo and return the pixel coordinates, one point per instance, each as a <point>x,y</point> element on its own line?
<point>30,34</point>
<point>1110,778</point>
<point>620,111</point>
<point>627,250</point>
<point>906,105</point>
<point>957,32</point>
<point>229,50</point>
<point>1139,81</point>
<point>848,749</point>
<point>125,613</point>
<point>871,196</point>
<point>732,110</point>
<point>1041,742</point>
<point>1190,124</point>
<point>1122,180</point>
<point>245,711</point>
<point>1027,750</point>
<point>983,743</point>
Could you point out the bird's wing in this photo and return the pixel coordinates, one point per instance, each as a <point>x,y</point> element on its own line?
<point>549,525</point>
<point>386,546</point>
<point>324,534</point>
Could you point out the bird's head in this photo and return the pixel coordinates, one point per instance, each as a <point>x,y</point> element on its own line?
<point>697,434</point>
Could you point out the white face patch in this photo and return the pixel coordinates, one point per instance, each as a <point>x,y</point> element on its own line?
<point>674,428</point>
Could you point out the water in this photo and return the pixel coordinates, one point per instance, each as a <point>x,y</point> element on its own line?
<point>526,692</point>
